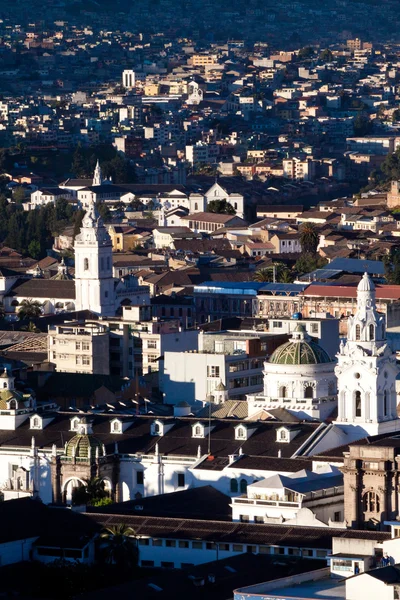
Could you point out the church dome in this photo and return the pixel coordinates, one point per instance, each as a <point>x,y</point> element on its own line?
<point>300,350</point>
<point>366,284</point>
<point>80,444</point>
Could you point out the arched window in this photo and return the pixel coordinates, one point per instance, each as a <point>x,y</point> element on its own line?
<point>371,502</point>
<point>309,391</point>
<point>116,426</point>
<point>13,405</point>
<point>283,392</point>
<point>358,333</point>
<point>240,433</point>
<point>234,485</point>
<point>36,422</point>
<point>196,206</point>
<point>385,403</point>
<point>358,403</point>
<point>371,332</point>
<point>243,486</point>
<point>282,434</point>
<point>86,264</point>
<point>156,428</point>
<point>5,385</point>
<point>197,430</point>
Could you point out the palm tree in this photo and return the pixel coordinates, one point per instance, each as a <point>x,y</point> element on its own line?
<point>119,546</point>
<point>309,238</point>
<point>90,493</point>
<point>31,327</point>
<point>266,275</point>
<point>263,275</point>
<point>30,309</point>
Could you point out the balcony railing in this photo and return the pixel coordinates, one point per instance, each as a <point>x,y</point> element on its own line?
<point>257,502</point>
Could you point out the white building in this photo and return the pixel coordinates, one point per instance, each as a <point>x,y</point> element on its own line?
<point>94,282</point>
<point>300,377</point>
<point>128,79</point>
<point>304,497</point>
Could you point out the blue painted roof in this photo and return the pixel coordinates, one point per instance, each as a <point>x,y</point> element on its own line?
<point>356,265</point>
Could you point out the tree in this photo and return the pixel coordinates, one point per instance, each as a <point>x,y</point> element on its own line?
<point>220,207</point>
<point>34,249</point>
<point>306,52</point>
<point>90,493</point>
<point>19,195</point>
<point>326,55</point>
<point>31,327</point>
<point>282,274</point>
<point>308,263</point>
<point>30,309</point>
<point>362,125</point>
<point>309,238</point>
<point>118,546</point>
<point>103,211</point>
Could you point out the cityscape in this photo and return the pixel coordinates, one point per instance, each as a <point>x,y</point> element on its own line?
<point>200,300</point>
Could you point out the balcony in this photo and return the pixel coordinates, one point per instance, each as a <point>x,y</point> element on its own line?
<point>258,502</point>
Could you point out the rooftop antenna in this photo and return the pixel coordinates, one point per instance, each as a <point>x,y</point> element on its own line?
<point>209,427</point>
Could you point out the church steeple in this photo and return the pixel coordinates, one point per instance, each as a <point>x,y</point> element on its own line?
<point>94,282</point>
<point>98,175</point>
<point>366,369</point>
<point>367,326</point>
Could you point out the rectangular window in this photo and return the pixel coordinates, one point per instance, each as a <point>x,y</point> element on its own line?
<point>264,550</point>
<point>252,549</point>
<point>78,360</point>
<point>157,542</point>
<point>197,545</point>
<point>277,324</point>
<point>170,543</point>
<point>307,552</point>
<point>85,346</point>
<point>85,360</point>
<point>139,477</point>
<point>181,480</point>
<point>258,519</point>
<point>210,546</point>
<point>212,371</point>
<point>224,547</point>
<point>336,516</point>
<point>244,518</point>
<point>183,544</point>
<point>147,563</point>
<point>237,548</point>
<point>314,327</point>
<point>77,345</point>
<point>152,358</point>
<point>152,344</point>
<point>144,542</point>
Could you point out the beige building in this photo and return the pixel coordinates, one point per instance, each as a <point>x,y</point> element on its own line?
<point>123,237</point>
<point>79,348</point>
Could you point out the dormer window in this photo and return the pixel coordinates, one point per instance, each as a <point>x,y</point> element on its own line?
<point>75,424</point>
<point>116,426</point>
<point>198,430</point>
<point>282,435</point>
<point>240,433</point>
<point>36,422</point>
<point>157,428</point>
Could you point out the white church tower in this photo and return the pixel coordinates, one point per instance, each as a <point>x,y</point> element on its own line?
<point>94,282</point>
<point>367,371</point>
<point>98,175</point>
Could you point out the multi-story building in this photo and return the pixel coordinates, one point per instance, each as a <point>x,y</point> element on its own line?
<point>79,348</point>
<point>227,365</point>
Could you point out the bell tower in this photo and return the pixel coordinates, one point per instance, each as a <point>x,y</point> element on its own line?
<point>366,369</point>
<point>94,282</point>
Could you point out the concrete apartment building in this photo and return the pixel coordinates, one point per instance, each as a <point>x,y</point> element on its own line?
<point>228,365</point>
<point>79,348</point>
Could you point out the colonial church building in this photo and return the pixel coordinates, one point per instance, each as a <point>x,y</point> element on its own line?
<point>301,378</point>
<point>94,287</point>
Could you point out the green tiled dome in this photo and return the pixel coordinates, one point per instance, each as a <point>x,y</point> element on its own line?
<point>300,350</point>
<point>81,444</point>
